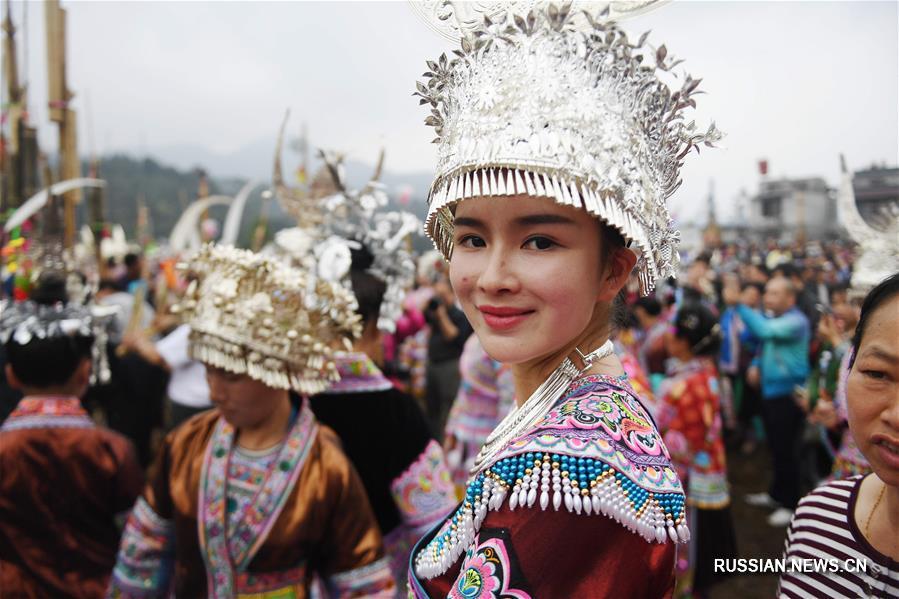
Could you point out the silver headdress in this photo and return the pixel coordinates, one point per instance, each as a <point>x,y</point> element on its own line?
<point>353,222</point>
<point>878,252</point>
<point>23,322</point>
<point>256,315</point>
<point>561,105</point>
<point>334,221</point>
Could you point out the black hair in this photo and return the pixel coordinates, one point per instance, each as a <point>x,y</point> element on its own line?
<point>612,239</point>
<point>699,328</point>
<point>650,304</point>
<point>835,288</point>
<point>48,362</point>
<point>131,259</point>
<point>755,285</point>
<point>109,285</point>
<point>787,270</point>
<point>50,289</point>
<point>884,291</point>
<point>368,289</point>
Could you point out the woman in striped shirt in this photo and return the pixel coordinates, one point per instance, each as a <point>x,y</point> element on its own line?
<point>844,538</point>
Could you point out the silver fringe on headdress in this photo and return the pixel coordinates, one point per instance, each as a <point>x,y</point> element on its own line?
<point>23,322</point>
<point>250,314</point>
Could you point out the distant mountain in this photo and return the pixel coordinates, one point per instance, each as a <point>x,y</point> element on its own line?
<point>168,190</point>
<point>255,161</point>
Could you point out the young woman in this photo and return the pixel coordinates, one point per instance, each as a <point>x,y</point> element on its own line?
<point>689,417</point>
<point>855,521</point>
<point>556,149</point>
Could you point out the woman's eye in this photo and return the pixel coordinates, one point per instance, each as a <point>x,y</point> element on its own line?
<point>539,243</point>
<point>471,241</point>
<point>877,375</point>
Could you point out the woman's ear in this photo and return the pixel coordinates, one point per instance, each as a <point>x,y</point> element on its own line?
<point>616,270</point>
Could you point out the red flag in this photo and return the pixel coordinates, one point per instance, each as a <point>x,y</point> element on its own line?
<point>763,167</point>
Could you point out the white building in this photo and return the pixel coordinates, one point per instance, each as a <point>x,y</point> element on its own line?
<point>788,208</point>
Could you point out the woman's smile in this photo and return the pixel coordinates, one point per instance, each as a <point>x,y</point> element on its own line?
<point>503,318</point>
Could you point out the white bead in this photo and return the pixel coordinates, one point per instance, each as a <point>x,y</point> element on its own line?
<point>544,499</point>
<point>523,497</point>
<point>557,500</point>
<point>588,505</point>
<point>597,503</point>
<point>532,496</point>
<point>576,500</point>
<point>672,533</point>
<point>568,501</point>
<point>513,501</point>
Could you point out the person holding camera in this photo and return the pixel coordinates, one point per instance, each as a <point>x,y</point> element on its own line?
<point>449,331</point>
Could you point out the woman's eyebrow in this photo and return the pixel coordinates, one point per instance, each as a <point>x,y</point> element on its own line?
<point>544,219</point>
<point>467,221</point>
<point>882,353</point>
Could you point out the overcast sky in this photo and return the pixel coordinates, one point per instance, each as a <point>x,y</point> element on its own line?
<point>794,82</point>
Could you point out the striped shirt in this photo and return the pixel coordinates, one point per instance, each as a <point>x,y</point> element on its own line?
<point>846,565</point>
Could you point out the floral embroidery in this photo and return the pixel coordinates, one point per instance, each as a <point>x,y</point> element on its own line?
<point>145,562</point>
<point>424,493</point>
<point>228,552</point>
<point>596,452</point>
<point>358,374</point>
<point>485,573</point>
<point>373,580</point>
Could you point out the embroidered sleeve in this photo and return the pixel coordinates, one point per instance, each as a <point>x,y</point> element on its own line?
<point>145,562</point>
<point>424,493</point>
<point>373,580</point>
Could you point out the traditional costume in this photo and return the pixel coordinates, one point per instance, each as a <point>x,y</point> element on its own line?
<point>222,521</point>
<point>382,430</point>
<point>689,415</point>
<point>65,483</point>
<point>486,396</point>
<point>574,493</point>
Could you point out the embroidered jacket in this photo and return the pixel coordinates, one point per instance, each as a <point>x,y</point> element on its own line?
<point>310,519</point>
<point>689,417</point>
<point>63,482</point>
<point>385,435</point>
<point>588,490</point>
<point>486,395</point>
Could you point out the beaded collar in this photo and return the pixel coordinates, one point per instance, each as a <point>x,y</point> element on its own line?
<point>596,452</point>
<point>358,374</point>
<point>48,411</point>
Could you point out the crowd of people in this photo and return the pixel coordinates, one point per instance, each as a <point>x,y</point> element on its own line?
<point>542,407</point>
